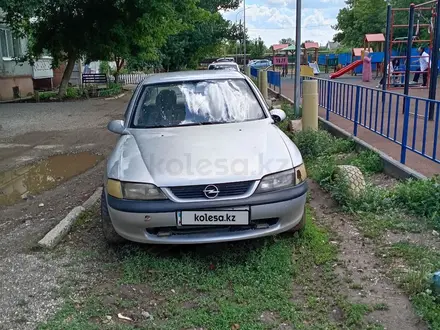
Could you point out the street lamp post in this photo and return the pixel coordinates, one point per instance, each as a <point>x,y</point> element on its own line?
<point>237,48</point>
<point>244,34</point>
<point>297,95</point>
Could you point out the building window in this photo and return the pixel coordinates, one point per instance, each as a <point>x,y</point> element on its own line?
<point>9,45</point>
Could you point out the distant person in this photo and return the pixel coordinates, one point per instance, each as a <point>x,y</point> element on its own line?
<point>392,66</point>
<point>367,74</point>
<point>425,65</point>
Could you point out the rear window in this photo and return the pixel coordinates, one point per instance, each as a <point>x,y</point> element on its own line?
<point>223,66</point>
<point>196,103</point>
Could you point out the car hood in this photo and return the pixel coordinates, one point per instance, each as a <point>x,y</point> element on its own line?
<point>203,154</point>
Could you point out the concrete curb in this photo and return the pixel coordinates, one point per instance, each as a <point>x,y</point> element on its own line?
<point>391,166</point>
<point>56,234</point>
<point>93,199</point>
<point>115,97</point>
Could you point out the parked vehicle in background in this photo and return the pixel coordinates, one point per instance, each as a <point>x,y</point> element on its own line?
<point>224,66</point>
<point>225,59</point>
<point>260,64</point>
<point>200,160</point>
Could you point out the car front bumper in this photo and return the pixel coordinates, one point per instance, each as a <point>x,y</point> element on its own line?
<point>155,222</point>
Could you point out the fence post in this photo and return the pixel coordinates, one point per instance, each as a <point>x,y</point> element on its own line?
<point>405,130</point>
<point>279,79</point>
<point>262,82</point>
<point>329,93</point>
<point>247,71</point>
<point>310,105</point>
<point>356,110</point>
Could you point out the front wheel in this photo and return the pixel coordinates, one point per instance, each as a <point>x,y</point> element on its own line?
<point>301,225</point>
<point>110,234</point>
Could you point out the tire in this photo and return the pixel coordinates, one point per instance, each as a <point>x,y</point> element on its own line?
<point>110,234</point>
<point>352,177</point>
<point>301,225</point>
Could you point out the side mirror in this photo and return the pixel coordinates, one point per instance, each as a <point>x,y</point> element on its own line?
<point>278,115</point>
<point>116,126</point>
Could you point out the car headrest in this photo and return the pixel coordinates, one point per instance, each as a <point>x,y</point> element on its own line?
<point>166,98</point>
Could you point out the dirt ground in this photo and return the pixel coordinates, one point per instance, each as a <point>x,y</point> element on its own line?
<point>30,133</point>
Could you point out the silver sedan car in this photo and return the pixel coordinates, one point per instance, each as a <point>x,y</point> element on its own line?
<point>200,160</point>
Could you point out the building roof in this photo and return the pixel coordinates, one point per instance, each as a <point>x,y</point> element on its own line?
<point>169,77</point>
<point>279,46</point>
<point>289,48</point>
<point>333,44</point>
<point>310,45</point>
<point>378,37</point>
<point>358,51</point>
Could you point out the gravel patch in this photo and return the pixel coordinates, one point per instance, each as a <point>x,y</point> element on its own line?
<point>28,290</point>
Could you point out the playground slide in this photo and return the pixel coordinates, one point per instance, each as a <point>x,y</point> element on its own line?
<point>346,69</point>
<point>315,68</point>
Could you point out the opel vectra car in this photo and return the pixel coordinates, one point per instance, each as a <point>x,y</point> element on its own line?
<point>200,160</point>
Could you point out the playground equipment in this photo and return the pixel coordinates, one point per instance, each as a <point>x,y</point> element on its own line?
<point>345,69</point>
<point>399,42</point>
<point>433,7</point>
<point>314,46</point>
<point>356,52</point>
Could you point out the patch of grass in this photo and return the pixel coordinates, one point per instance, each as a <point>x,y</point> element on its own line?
<point>420,197</point>
<point>368,162</point>
<point>217,286</point>
<point>381,307</point>
<point>422,262</point>
<point>354,313</point>
<point>356,286</point>
<point>313,144</point>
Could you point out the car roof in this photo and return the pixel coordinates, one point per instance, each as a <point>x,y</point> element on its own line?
<point>169,77</point>
<point>224,63</point>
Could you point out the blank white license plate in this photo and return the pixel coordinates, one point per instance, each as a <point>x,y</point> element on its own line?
<point>216,218</point>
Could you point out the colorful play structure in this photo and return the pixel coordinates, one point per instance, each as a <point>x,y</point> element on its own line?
<point>357,53</point>
<point>309,59</point>
<point>400,52</point>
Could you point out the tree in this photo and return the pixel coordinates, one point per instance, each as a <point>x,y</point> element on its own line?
<point>206,33</point>
<point>94,29</point>
<point>358,18</point>
<point>289,41</point>
<point>257,48</point>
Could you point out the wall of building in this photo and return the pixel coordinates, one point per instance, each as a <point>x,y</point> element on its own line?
<point>24,83</point>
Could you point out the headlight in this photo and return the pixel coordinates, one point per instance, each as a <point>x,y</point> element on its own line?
<point>137,191</point>
<point>283,179</point>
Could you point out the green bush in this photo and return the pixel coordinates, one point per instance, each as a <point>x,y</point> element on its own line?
<point>420,197</point>
<point>313,144</point>
<point>368,162</point>
<point>73,93</point>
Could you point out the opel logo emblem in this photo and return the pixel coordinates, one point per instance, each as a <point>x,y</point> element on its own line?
<point>211,191</point>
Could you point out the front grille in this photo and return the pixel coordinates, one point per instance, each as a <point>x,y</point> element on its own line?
<point>225,190</point>
<point>190,230</point>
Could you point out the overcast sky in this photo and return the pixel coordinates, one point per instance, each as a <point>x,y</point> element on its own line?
<point>273,20</point>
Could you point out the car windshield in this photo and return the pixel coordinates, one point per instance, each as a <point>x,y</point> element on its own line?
<point>196,103</point>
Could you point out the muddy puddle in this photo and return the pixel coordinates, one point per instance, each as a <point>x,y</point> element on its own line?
<point>22,182</point>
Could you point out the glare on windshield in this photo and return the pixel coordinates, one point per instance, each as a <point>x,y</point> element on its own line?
<point>197,103</point>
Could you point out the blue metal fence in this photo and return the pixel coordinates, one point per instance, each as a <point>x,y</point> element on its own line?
<point>274,80</point>
<point>254,73</point>
<point>401,119</point>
